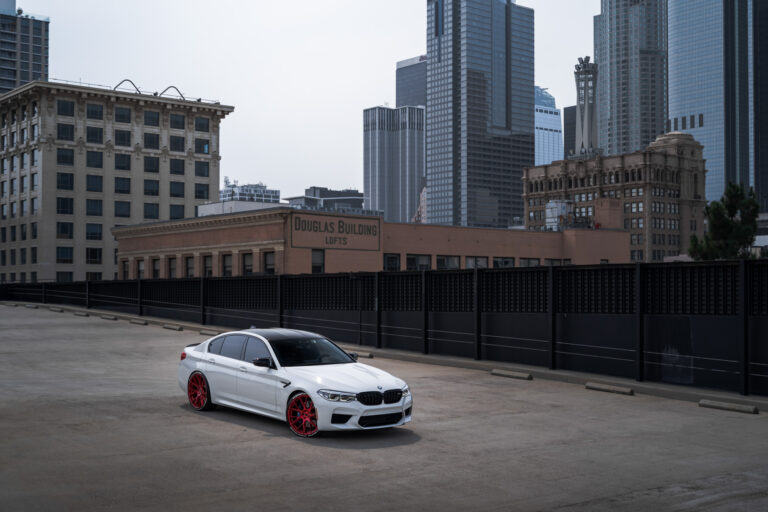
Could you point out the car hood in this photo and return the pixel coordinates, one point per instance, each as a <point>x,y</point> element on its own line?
<point>352,377</point>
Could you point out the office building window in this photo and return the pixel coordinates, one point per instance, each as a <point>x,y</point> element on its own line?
<point>151,187</point>
<point>23,230</point>
<point>269,262</point>
<point>94,183</point>
<point>94,159</point>
<point>177,166</point>
<point>201,169</point>
<point>140,269</point>
<point>65,205</point>
<point>65,131</point>
<point>448,262</point>
<point>177,121</point>
<point>63,108</point>
<point>156,268</point>
<point>123,138</point>
<point>201,146</point>
<point>35,181</point>
<point>201,191</point>
<point>33,229</point>
<point>529,262</point>
<point>171,268</point>
<point>64,255</point>
<point>93,255</point>
<point>151,118</point>
<point>64,277</point>
<point>122,208</point>
<point>93,276</point>
<point>122,162</point>
<point>122,185</point>
<point>33,255</point>
<point>151,164</point>
<point>202,124</point>
<point>477,261</point>
<point>94,111</point>
<point>151,211</point>
<point>208,266</point>
<point>418,262</point>
<point>177,143</point>
<point>226,265</point>
<point>247,263</point>
<point>65,156</point>
<point>94,135</point>
<point>189,266</point>
<point>93,231</point>
<point>177,189</point>
<point>391,262</point>
<point>13,233</point>
<point>151,141</point>
<point>176,211</point>
<point>122,115</point>
<point>124,267</point>
<point>64,181</point>
<point>93,207</point>
<point>318,261</point>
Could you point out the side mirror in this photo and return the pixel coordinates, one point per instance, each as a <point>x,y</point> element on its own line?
<point>263,362</point>
<point>353,355</point>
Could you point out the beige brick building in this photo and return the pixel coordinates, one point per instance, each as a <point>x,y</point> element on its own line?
<point>77,161</point>
<point>656,194</point>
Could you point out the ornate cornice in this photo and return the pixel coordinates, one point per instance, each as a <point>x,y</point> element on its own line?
<point>253,218</point>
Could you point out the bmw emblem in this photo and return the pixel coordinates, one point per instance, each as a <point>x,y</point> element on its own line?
<point>379,387</point>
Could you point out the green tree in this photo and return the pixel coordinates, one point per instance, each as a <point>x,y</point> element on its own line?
<point>732,224</point>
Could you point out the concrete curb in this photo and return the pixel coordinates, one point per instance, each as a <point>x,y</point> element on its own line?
<point>511,375</point>
<point>136,321</point>
<point>107,317</point>
<point>81,313</point>
<point>171,327</point>
<point>607,388</point>
<point>727,406</point>
<point>56,310</point>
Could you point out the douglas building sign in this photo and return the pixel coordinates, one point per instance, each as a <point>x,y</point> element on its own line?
<point>327,232</point>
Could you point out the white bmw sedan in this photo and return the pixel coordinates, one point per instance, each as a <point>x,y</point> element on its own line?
<point>296,376</point>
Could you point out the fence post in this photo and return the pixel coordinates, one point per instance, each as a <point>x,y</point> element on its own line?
<point>44,298</point>
<point>551,312</point>
<point>377,304</point>
<point>202,300</point>
<point>88,295</point>
<point>138,296</point>
<point>280,302</point>
<point>478,313</point>
<point>744,324</point>
<point>640,327</point>
<point>425,312</point>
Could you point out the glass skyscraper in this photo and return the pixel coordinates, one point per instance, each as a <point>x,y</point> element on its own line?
<point>480,110</point>
<point>549,128</point>
<point>411,82</point>
<point>709,90</point>
<point>631,56</point>
<point>760,99</point>
<point>24,42</point>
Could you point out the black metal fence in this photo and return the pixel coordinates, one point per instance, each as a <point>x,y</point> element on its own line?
<point>699,324</point>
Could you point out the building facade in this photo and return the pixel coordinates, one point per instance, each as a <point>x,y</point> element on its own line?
<point>709,92</point>
<point>286,241</point>
<point>586,142</point>
<point>393,161</point>
<point>549,128</point>
<point>24,41</point>
<point>411,82</point>
<point>631,54</point>
<point>325,199</point>
<point>76,161</point>
<point>480,110</point>
<point>760,100</point>
<point>569,131</point>
<point>656,194</point>
<point>255,192</point>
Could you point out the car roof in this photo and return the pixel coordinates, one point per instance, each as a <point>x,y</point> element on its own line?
<point>281,334</point>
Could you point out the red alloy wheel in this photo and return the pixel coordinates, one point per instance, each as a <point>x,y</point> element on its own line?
<point>197,391</point>
<point>302,416</point>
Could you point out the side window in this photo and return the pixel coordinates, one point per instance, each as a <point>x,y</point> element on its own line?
<point>215,345</point>
<point>233,346</point>
<point>255,349</point>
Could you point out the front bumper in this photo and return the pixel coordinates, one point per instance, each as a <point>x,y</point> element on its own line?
<point>362,417</point>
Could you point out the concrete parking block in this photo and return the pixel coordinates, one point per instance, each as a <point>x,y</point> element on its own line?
<point>596,386</point>
<point>728,406</point>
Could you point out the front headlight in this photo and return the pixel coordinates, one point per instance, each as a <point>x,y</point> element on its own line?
<point>406,392</point>
<point>337,396</point>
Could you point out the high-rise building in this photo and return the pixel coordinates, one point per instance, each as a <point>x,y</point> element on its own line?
<point>586,119</point>
<point>77,161</point>
<point>709,92</point>
<point>480,110</point>
<point>411,82</point>
<point>760,100</point>
<point>24,41</point>
<point>569,131</point>
<point>549,130</point>
<point>393,154</point>
<point>631,55</point>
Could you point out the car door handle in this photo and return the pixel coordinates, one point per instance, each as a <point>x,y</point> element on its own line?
<point>244,369</point>
<point>212,361</point>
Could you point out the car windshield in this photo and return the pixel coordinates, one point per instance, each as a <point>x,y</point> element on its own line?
<point>308,352</point>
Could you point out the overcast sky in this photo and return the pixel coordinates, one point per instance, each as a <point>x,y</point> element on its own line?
<point>299,73</point>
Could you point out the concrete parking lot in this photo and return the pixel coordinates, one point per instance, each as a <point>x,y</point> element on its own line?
<point>91,417</point>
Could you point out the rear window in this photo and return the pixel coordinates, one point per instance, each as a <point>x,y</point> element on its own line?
<point>215,346</point>
<point>233,346</point>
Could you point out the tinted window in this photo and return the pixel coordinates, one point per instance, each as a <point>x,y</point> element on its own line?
<point>215,345</point>
<point>308,352</point>
<point>233,346</point>
<point>255,349</point>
